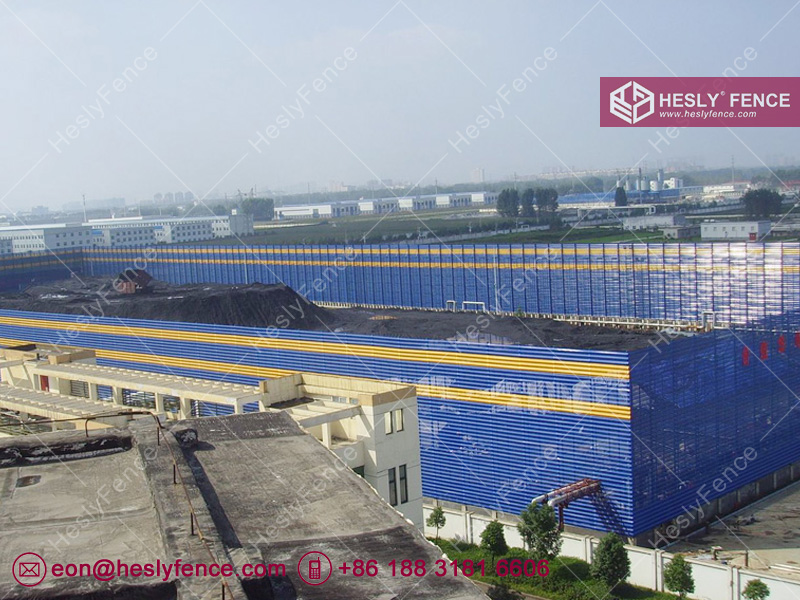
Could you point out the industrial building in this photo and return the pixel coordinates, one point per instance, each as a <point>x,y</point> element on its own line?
<point>734,230</point>
<point>233,225</point>
<point>370,425</point>
<point>123,237</point>
<point>318,211</point>
<point>652,222</point>
<point>501,423</point>
<point>239,491</point>
<point>124,232</point>
<point>727,190</point>
<point>382,206</point>
<point>680,232</point>
<point>39,238</point>
<point>378,207</point>
<point>170,230</point>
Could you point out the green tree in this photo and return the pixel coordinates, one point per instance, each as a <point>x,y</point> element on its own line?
<point>262,209</point>
<point>540,532</point>
<point>611,563</point>
<point>546,200</point>
<point>508,203</point>
<point>620,197</point>
<point>219,210</point>
<point>436,519</point>
<point>526,203</point>
<point>594,184</point>
<point>755,590</point>
<point>678,576</point>
<point>501,591</point>
<point>762,203</point>
<point>493,540</point>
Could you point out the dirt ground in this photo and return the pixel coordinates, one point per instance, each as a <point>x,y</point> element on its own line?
<point>259,305</point>
<point>768,529</point>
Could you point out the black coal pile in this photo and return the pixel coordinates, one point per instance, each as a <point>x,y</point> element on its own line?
<point>254,305</point>
<point>263,306</point>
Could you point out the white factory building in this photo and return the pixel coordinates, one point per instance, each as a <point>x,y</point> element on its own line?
<point>417,204</point>
<point>734,230</point>
<point>166,231</point>
<point>319,211</point>
<point>652,222</point>
<point>382,206</point>
<point>378,207</point>
<point>171,230</point>
<point>726,190</point>
<point>123,237</point>
<point>122,233</point>
<point>38,238</point>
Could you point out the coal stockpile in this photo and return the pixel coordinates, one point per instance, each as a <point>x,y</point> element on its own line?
<point>263,306</point>
<point>255,305</point>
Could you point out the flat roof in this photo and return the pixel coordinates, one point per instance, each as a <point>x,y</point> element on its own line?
<point>69,511</point>
<point>291,496</point>
<point>52,405</point>
<point>44,226</point>
<point>183,387</point>
<point>260,489</point>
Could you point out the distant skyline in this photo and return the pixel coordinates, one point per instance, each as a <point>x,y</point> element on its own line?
<point>112,99</point>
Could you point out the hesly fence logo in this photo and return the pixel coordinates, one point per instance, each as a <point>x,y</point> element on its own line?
<point>641,105</point>
<point>700,102</point>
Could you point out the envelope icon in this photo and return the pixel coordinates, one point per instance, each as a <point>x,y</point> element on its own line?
<point>29,569</point>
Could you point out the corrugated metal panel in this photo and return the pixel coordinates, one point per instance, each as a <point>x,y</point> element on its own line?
<point>18,271</point>
<point>697,408</point>
<point>739,282</point>
<point>473,437</point>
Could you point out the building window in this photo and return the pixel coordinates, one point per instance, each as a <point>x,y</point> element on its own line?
<point>403,485</point>
<point>398,420</point>
<point>393,486</point>
<point>387,423</point>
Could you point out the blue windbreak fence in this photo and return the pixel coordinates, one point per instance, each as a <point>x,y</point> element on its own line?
<point>700,403</point>
<point>19,271</point>
<point>498,424</point>
<point>736,283</point>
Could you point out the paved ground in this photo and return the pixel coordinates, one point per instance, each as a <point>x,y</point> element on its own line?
<point>769,529</point>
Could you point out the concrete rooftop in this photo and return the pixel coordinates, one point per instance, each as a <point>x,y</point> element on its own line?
<point>260,488</point>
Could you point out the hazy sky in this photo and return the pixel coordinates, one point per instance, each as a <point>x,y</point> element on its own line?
<point>204,78</point>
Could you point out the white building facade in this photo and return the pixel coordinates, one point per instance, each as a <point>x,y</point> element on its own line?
<point>652,222</point>
<point>734,230</point>
<point>123,237</point>
<point>40,238</point>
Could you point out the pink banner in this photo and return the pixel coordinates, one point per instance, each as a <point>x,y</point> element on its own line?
<point>700,102</point>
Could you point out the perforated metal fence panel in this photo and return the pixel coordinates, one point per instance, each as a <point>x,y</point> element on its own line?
<point>734,283</point>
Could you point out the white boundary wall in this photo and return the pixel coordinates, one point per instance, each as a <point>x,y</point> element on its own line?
<point>713,581</point>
